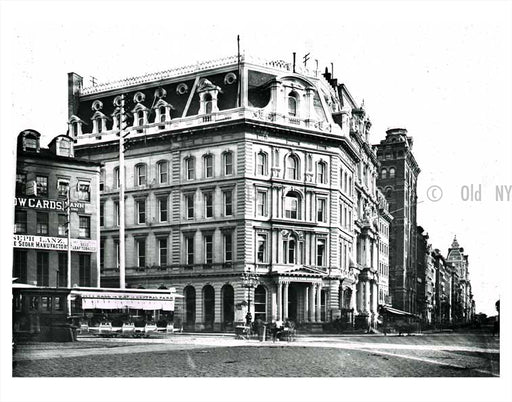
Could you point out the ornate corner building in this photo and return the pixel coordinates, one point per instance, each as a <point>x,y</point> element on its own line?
<point>240,166</point>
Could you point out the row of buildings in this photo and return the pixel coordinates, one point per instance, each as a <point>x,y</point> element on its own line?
<point>236,168</point>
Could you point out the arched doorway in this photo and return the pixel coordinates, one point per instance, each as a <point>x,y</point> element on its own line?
<point>292,302</point>
<point>190,306</point>
<point>260,303</point>
<point>228,307</point>
<point>209,307</point>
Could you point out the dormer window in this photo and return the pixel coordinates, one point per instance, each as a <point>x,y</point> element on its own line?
<point>139,118</point>
<point>292,104</point>
<point>30,143</point>
<point>162,114</point>
<point>208,94</point>
<point>208,104</point>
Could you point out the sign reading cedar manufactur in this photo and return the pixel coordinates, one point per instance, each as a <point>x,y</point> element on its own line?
<point>54,243</point>
<point>53,205</point>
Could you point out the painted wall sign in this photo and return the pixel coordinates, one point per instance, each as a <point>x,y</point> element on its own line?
<point>54,243</point>
<point>52,205</point>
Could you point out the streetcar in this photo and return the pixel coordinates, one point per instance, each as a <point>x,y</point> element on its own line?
<point>60,314</point>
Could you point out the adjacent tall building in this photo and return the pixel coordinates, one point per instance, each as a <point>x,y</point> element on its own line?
<point>463,306</point>
<point>398,180</point>
<point>240,166</point>
<point>45,180</point>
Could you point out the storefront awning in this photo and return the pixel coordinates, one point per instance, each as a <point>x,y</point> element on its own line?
<point>395,311</point>
<point>136,301</point>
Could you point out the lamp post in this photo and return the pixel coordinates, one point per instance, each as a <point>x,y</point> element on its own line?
<point>249,281</point>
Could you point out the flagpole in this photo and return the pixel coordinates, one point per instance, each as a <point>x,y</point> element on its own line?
<point>239,73</point>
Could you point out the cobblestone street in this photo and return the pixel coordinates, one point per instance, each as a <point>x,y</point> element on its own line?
<point>192,355</point>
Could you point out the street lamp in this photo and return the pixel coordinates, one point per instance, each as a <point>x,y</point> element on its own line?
<point>249,281</point>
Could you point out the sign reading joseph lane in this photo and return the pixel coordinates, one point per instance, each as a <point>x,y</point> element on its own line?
<point>53,243</point>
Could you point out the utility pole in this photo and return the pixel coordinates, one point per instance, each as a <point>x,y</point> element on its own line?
<point>68,227</point>
<point>122,123</point>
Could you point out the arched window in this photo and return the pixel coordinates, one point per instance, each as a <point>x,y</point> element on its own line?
<point>116,177</point>
<point>190,168</point>
<point>260,303</point>
<point>292,104</point>
<point>140,175</point>
<point>292,250</point>
<point>162,114</point>
<point>227,161</point>
<point>321,172</point>
<point>208,165</point>
<point>292,167</point>
<point>392,173</point>
<point>292,205</point>
<point>163,172</point>
<point>208,104</point>
<point>139,118</point>
<point>261,163</point>
<point>99,125</point>
<point>228,306</point>
<point>190,305</point>
<point>209,306</point>
<point>384,174</point>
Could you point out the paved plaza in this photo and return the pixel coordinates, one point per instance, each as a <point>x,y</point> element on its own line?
<point>199,355</point>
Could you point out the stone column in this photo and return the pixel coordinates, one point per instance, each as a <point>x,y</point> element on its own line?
<point>279,301</point>
<point>285,300</point>
<point>374,303</point>
<point>359,297</point>
<point>375,262</point>
<point>353,298</point>
<point>367,252</point>
<point>367,296</point>
<point>273,303</point>
<point>312,309</point>
<point>306,305</point>
<point>319,302</point>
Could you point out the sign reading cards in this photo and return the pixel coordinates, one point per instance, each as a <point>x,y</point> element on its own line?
<point>53,205</point>
<point>54,243</point>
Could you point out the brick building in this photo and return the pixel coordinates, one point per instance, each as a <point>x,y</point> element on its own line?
<point>232,167</point>
<point>398,181</point>
<point>426,287</point>
<point>43,178</point>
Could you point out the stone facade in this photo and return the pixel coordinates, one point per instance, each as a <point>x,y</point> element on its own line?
<point>232,169</point>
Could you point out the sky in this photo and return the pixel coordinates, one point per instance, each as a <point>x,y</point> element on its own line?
<point>439,69</point>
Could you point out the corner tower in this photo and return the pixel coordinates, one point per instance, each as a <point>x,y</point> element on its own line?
<point>397,178</point>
